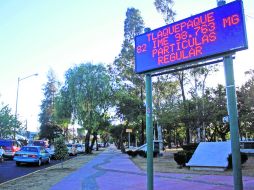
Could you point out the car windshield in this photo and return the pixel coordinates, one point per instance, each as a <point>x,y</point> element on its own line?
<point>39,143</point>
<point>29,149</point>
<point>5,143</point>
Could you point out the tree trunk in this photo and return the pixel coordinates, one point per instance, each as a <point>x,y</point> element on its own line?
<point>181,80</point>
<point>223,137</point>
<point>169,138</point>
<point>142,140</point>
<point>96,141</point>
<point>93,140</point>
<point>155,136</point>
<point>87,139</point>
<point>121,141</point>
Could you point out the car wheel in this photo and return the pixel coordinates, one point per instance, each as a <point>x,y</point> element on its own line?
<point>1,159</point>
<point>17,163</point>
<point>39,162</point>
<point>48,161</point>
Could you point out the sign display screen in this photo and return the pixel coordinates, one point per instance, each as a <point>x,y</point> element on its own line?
<point>214,32</point>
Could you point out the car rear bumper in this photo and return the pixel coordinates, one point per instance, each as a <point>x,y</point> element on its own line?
<point>26,160</point>
<point>8,155</point>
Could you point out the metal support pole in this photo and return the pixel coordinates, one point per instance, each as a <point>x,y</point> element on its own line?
<point>233,117</point>
<point>17,97</point>
<point>149,132</point>
<point>129,139</point>
<point>16,109</point>
<point>233,122</point>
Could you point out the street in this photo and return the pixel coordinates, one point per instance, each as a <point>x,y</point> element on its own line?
<point>9,170</point>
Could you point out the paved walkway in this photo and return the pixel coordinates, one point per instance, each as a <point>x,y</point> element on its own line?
<point>112,170</point>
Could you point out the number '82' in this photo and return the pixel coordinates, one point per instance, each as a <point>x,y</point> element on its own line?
<point>141,48</point>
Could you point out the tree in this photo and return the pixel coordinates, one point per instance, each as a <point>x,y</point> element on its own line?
<point>165,7</point>
<point>118,134</point>
<point>130,86</point>
<point>133,24</point>
<point>105,136</point>
<point>184,77</point>
<point>89,90</point>
<point>218,110</point>
<point>63,110</point>
<point>7,122</point>
<point>61,150</point>
<point>166,97</point>
<point>198,76</point>
<point>245,96</point>
<point>48,126</point>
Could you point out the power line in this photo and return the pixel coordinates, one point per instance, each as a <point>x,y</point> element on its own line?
<point>252,17</point>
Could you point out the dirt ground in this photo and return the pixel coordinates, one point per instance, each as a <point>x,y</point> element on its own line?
<point>167,164</point>
<point>46,178</point>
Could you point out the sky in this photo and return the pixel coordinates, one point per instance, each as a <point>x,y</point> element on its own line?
<point>36,35</point>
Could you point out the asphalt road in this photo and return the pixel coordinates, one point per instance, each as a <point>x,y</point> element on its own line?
<point>9,170</point>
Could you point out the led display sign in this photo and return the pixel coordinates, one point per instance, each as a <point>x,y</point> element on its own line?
<point>211,33</point>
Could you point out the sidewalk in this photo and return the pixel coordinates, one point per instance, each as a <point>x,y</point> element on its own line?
<point>112,170</point>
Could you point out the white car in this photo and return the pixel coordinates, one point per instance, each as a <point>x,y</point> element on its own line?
<point>80,148</point>
<point>72,149</point>
<point>51,152</point>
<point>1,154</point>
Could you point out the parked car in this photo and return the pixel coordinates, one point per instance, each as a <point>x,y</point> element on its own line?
<point>1,154</point>
<point>42,143</point>
<point>72,149</point>
<point>32,154</point>
<point>80,148</point>
<point>10,147</point>
<point>100,145</point>
<point>51,152</point>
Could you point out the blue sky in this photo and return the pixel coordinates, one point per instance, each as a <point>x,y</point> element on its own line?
<point>36,35</point>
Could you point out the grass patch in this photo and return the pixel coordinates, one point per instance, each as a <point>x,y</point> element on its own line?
<point>166,164</point>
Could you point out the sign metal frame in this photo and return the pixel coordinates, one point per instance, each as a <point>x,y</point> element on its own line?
<point>217,32</point>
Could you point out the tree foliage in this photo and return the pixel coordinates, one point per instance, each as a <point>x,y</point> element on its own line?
<point>246,106</point>
<point>129,87</point>
<point>165,7</point>
<point>49,127</point>
<point>89,91</point>
<point>8,122</point>
<point>192,83</point>
<point>63,110</point>
<point>61,150</point>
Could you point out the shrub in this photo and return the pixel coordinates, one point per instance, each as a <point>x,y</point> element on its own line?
<point>244,158</point>
<point>141,153</point>
<point>190,147</point>
<point>61,150</point>
<point>155,154</point>
<point>182,157</point>
<point>131,153</point>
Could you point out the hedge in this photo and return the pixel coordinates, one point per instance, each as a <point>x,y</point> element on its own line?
<point>244,158</point>
<point>141,153</point>
<point>183,157</point>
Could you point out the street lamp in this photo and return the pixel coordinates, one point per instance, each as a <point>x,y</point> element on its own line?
<point>16,110</point>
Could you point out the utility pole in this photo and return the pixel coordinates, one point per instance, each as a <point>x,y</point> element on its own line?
<point>149,132</point>
<point>17,97</point>
<point>233,117</point>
